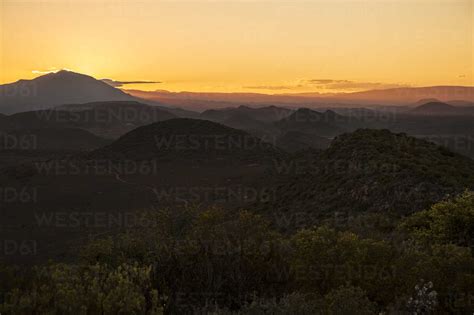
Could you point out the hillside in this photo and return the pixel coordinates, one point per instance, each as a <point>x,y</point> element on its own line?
<point>51,139</point>
<point>293,141</point>
<point>371,170</point>
<point>105,119</point>
<point>178,139</point>
<point>264,114</point>
<point>327,124</point>
<point>435,108</point>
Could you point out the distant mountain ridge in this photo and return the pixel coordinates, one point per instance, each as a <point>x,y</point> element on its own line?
<point>308,121</point>
<point>394,96</point>
<point>264,114</point>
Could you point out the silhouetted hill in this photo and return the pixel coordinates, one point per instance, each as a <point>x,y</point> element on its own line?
<point>426,100</point>
<point>105,119</point>
<point>51,139</point>
<point>257,121</point>
<point>243,121</point>
<point>371,170</point>
<point>293,141</point>
<point>460,103</point>
<point>435,108</point>
<point>188,139</point>
<point>312,122</point>
<point>264,114</point>
<point>63,87</point>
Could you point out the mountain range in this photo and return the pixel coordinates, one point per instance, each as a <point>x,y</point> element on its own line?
<point>67,87</point>
<point>396,96</point>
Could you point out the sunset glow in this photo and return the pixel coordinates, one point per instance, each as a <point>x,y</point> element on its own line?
<point>252,46</point>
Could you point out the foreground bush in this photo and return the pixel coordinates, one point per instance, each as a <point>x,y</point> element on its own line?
<point>68,289</point>
<point>222,262</point>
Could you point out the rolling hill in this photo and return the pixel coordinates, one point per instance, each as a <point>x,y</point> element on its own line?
<point>293,141</point>
<point>188,139</point>
<point>370,171</point>
<point>264,114</point>
<point>51,139</point>
<point>441,109</point>
<point>104,119</point>
<point>327,124</point>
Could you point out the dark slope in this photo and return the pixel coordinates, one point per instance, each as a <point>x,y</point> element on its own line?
<point>187,139</point>
<point>308,121</point>
<point>371,170</point>
<point>244,122</point>
<point>105,119</point>
<point>293,141</point>
<point>264,114</point>
<point>63,87</point>
<point>51,139</point>
<point>435,108</point>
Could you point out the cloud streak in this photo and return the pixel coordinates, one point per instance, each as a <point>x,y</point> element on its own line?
<point>50,70</point>
<point>115,83</point>
<point>273,87</point>
<point>329,84</point>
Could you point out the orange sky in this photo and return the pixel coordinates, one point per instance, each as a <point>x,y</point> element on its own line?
<point>247,45</point>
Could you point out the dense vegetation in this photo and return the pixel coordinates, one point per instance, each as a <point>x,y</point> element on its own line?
<point>187,261</point>
<point>377,223</point>
<point>369,171</point>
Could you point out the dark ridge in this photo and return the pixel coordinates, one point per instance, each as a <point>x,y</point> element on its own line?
<point>374,171</point>
<point>188,139</point>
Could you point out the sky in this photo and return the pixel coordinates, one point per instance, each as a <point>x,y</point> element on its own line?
<point>264,46</point>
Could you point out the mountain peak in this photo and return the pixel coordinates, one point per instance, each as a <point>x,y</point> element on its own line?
<point>57,88</point>
<point>64,74</point>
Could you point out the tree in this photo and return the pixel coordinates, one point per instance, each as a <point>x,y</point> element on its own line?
<point>96,289</point>
<point>447,222</point>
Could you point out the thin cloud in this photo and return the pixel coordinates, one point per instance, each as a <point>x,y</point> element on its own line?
<point>115,83</point>
<point>326,81</point>
<point>363,86</point>
<point>50,70</point>
<point>273,87</point>
<point>329,84</point>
